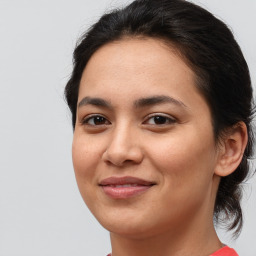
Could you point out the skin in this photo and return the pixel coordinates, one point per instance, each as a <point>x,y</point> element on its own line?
<point>180,155</point>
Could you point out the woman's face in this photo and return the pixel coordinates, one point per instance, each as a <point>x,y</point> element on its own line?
<point>143,151</point>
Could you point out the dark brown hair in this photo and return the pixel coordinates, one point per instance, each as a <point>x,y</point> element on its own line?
<point>210,49</point>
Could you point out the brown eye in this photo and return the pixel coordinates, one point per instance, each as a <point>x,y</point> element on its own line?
<point>96,120</point>
<point>160,120</point>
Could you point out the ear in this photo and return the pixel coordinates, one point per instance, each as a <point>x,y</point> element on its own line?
<point>231,149</point>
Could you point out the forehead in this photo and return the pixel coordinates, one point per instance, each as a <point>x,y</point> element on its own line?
<point>133,68</point>
<point>136,52</point>
<point>132,61</point>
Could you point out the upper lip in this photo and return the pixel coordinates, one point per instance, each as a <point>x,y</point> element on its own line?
<point>125,180</point>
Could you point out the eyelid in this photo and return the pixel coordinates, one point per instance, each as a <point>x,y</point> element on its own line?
<point>85,119</point>
<point>167,116</point>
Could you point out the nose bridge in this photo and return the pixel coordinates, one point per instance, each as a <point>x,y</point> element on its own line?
<point>122,135</point>
<point>123,145</point>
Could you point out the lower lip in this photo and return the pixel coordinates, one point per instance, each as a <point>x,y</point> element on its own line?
<point>124,192</point>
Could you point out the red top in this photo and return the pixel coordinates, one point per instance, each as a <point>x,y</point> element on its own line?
<point>225,251</point>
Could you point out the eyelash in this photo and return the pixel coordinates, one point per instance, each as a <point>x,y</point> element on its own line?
<point>86,120</point>
<point>169,119</point>
<point>161,118</point>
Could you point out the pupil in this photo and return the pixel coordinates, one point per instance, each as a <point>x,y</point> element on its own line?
<point>99,120</point>
<point>160,119</point>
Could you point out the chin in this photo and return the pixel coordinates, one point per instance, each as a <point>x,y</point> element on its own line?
<point>129,231</point>
<point>135,227</point>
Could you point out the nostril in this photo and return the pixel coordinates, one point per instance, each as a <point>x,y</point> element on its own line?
<point>122,150</point>
<point>122,158</point>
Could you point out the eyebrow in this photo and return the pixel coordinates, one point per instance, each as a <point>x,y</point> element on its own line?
<point>158,99</point>
<point>140,103</point>
<point>94,101</point>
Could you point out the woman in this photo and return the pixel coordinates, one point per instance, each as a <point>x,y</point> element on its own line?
<point>161,104</point>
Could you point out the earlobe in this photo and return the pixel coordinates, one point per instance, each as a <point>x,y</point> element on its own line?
<point>232,149</point>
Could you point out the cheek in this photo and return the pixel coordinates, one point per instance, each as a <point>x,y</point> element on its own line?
<point>186,159</point>
<point>85,155</point>
<point>186,173</point>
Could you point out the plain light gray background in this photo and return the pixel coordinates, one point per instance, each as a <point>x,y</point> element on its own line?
<point>41,211</point>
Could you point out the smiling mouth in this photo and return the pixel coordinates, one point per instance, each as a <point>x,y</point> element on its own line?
<point>125,187</point>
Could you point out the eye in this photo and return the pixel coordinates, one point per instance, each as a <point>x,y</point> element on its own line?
<point>159,120</point>
<point>95,120</point>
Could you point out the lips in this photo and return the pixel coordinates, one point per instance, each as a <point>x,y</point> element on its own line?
<point>125,187</point>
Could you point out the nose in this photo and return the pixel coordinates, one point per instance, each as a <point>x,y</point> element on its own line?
<point>124,148</point>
